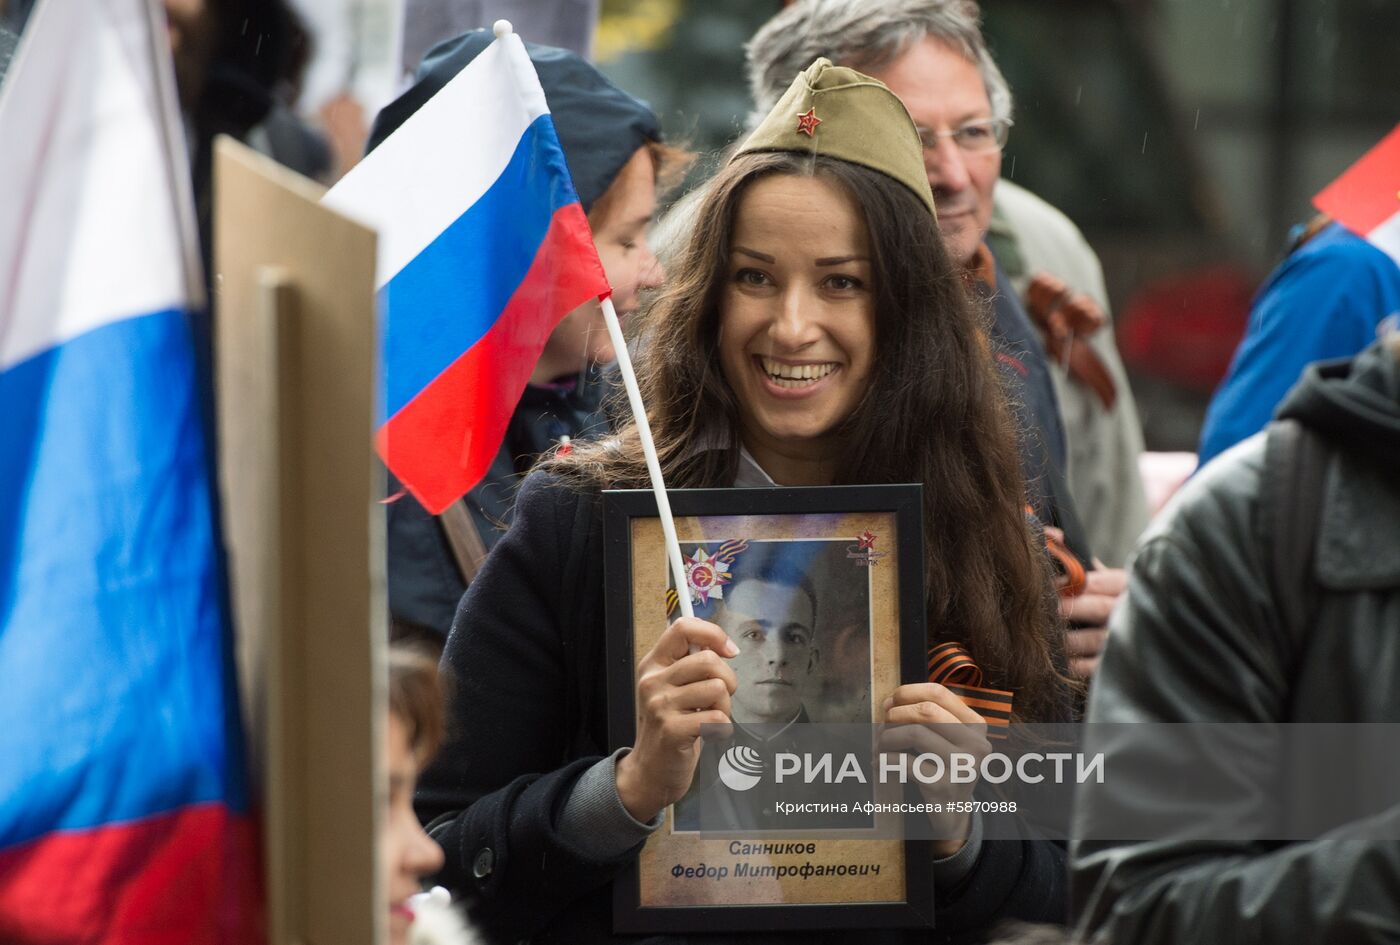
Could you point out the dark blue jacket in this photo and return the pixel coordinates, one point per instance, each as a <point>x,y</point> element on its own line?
<point>1020,358</point>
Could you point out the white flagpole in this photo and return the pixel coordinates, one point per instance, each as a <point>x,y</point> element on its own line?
<point>639,413</point>
<point>502,29</point>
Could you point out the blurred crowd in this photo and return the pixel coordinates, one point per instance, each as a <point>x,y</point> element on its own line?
<point>970,349</point>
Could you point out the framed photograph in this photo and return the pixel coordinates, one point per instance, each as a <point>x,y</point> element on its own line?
<point>822,589</point>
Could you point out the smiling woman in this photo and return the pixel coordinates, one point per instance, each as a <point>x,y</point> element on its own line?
<point>797,334</point>
<point>813,331</point>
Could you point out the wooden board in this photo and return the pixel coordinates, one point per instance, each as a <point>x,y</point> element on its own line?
<point>295,345</point>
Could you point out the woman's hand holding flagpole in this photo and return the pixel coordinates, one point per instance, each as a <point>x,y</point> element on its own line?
<point>674,774</point>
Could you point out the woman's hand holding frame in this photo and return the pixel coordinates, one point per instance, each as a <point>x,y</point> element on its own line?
<point>909,713</point>
<point>682,684</point>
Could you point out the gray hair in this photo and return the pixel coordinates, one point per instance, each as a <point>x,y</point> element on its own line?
<point>865,34</point>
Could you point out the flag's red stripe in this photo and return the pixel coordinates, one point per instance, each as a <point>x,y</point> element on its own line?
<point>188,877</point>
<point>1368,193</point>
<point>443,440</point>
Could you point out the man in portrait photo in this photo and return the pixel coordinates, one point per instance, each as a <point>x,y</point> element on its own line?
<point>772,610</point>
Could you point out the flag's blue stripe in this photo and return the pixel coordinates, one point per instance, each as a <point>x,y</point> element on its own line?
<point>450,295</point>
<point>113,695</point>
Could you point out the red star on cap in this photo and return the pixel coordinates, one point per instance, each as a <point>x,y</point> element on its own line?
<point>807,124</point>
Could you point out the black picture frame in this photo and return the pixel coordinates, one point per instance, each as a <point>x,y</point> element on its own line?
<point>620,508</point>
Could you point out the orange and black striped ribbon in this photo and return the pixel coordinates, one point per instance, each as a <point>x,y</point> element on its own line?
<point>1072,579</point>
<point>730,550</point>
<point>950,665</point>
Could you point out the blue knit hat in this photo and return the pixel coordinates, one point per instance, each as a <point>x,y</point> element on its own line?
<point>600,126</point>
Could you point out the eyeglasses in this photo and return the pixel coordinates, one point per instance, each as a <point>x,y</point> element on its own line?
<point>985,134</point>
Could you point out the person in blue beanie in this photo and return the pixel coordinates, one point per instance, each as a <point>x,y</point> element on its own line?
<point>613,146</point>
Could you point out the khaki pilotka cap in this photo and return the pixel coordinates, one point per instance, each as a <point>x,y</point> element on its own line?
<point>841,113</point>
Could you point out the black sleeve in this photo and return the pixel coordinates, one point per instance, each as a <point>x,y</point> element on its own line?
<point>495,793</point>
<point>1023,879</point>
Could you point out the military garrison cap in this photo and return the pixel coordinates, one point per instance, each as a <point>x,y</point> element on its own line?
<point>841,113</point>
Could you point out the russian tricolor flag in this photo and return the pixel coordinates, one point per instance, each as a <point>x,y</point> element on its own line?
<point>123,809</point>
<point>1366,198</point>
<point>483,248</point>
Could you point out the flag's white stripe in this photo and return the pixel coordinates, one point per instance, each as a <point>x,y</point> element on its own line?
<point>444,157</point>
<point>82,141</point>
<point>1386,237</point>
